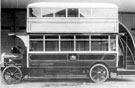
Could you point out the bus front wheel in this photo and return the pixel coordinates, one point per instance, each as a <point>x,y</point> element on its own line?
<point>12,75</point>
<point>98,73</point>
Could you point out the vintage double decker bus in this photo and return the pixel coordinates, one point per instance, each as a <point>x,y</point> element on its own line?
<point>71,40</point>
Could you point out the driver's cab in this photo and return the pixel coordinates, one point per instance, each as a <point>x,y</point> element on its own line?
<point>16,57</point>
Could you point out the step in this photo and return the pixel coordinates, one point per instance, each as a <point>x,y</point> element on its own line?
<point>130,62</point>
<point>126,72</point>
<point>131,67</point>
<point>129,58</point>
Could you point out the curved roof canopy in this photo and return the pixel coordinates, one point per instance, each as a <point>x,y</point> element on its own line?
<point>72,5</point>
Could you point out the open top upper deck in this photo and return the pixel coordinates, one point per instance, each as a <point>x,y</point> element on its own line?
<point>72,18</point>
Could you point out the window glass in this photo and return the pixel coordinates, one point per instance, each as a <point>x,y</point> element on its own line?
<point>36,42</point>
<point>34,12</point>
<point>99,43</point>
<point>67,45</point>
<point>85,12</point>
<point>60,12</point>
<point>67,37</point>
<point>82,37</point>
<point>72,12</point>
<point>51,46</point>
<point>82,45</point>
<point>36,45</point>
<point>47,12</point>
<point>36,36</point>
<point>51,37</point>
<point>51,43</point>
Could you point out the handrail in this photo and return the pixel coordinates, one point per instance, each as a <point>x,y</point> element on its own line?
<point>122,45</point>
<point>129,50</point>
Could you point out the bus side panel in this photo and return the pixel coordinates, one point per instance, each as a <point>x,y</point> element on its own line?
<point>63,64</point>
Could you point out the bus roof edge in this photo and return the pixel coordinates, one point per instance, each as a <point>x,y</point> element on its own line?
<point>72,5</point>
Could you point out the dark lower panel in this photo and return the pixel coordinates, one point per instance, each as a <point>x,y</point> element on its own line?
<point>77,56</point>
<point>36,72</point>
<point>66,60</point>
<point>48,57</point>
<point>97,57</point>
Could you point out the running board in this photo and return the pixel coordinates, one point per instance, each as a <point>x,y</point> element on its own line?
<point>125,72</point>
<point>61,77</point>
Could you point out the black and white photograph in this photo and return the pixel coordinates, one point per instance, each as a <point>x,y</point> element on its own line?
<point>67,44</point>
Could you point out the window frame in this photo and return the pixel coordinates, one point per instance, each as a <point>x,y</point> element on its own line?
<point>79,12</point>
<point>74,40</point>
<point>98,40</point>
<point>38,40</point>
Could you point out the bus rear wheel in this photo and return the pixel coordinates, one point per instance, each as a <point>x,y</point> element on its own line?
<point>12,75</point>
<point>98,73</point>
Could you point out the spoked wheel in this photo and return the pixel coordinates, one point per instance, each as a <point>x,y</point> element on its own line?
<point>98,73</point>
<point>12,75</point>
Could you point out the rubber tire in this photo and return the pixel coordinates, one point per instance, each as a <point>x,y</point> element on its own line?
<point>8,67</point>
<point>100,65</point>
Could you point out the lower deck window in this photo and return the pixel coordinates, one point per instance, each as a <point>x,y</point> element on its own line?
<point>67,46</point>
<point>73,43</point>
<point>82,45</point>
<point>52,46</point>
<point>99,43</point>
<point>36,45</point>
<point>99,46</point>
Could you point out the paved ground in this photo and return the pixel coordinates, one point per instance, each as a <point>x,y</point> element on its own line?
<point>114,82</point>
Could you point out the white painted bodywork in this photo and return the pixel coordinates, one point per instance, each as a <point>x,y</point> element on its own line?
<point>74,27</point>
<point>24,38</point>
<point>72,5</point>
<point>91,24</point>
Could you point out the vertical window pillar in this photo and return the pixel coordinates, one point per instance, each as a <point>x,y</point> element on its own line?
<point>117,60</point>
<point>109,45</point>
<point>41,12</point>
<point>53,13</point>
<point>43,42</point>
<point>89,42</point>
<point>59,43</point>
<point>29,45</point>
<point>78,12</point>
<point>74,43</point>
<point>66,12</point>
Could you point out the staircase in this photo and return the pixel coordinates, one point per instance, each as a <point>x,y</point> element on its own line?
<point>129,60</point>
<point>130,64</point>
<point>128,54</point>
